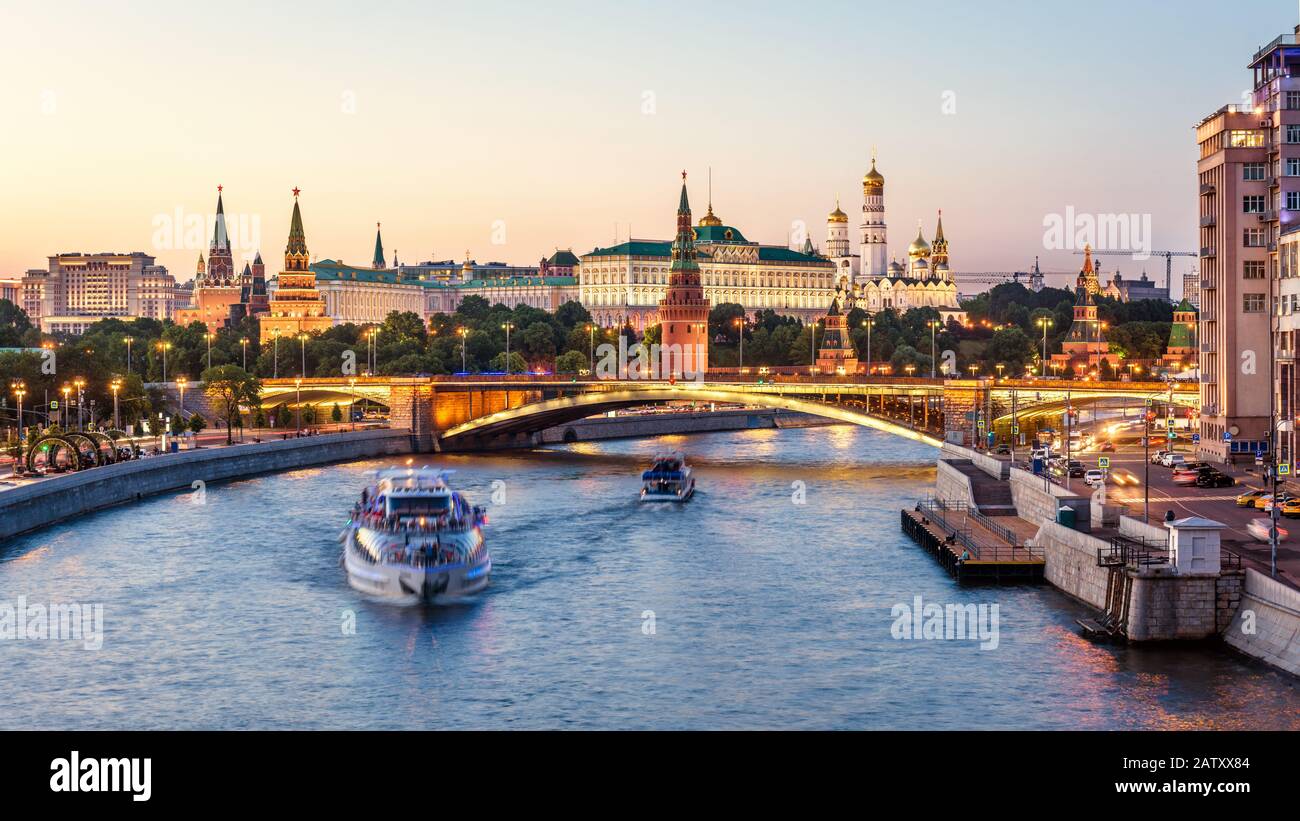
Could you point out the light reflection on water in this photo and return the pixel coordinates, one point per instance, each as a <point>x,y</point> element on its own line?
<point>767,613</point>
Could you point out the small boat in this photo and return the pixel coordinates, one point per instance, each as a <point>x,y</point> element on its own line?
<point>668,480</point>
<point>413,539</point>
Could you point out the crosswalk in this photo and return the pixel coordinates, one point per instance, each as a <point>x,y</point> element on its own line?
<point>1129,500</point>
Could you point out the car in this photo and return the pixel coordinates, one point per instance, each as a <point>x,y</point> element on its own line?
<point>1248,498</point>
<point>1041,453</point>
<point>1172,459</point>
<point>1266,502</point>
<point>1210,477</point>
<point>1186,477</point>
<point>1002,450</point>
<point>1158,457</point>
<point>1093,478</point>
<point>1107,447</point>
<point>1077,469</point>
<point>1291,508</point>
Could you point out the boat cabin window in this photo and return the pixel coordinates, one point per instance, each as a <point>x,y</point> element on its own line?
<point>418,505</point>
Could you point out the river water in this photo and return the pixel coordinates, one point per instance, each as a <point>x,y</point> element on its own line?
<point>768,601</point>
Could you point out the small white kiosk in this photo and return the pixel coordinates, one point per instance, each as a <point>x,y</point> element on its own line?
<point>1194,545</point>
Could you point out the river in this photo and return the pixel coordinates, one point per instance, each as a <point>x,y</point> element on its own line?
<point>768,601</point>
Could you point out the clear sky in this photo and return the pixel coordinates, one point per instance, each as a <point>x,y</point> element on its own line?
<point>511,128</point>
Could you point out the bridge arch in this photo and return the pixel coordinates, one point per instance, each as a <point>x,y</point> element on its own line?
<point>550,413</point>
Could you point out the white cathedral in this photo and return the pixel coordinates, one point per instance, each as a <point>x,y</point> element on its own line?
<point>875,283</point>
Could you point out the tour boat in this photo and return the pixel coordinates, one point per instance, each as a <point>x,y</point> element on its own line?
<point>667,480</point>
<point>413,539</point>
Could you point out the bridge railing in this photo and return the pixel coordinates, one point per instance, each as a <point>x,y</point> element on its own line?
<point>957,518</point>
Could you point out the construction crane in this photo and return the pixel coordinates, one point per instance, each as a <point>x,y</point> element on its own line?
<point>1168,255</point>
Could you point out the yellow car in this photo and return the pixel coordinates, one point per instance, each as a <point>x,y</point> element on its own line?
<point>1263,502</point>
<point>1291,508</point>
<point>1249,498</point>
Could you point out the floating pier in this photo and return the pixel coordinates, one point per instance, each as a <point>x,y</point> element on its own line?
<point>970,546</point>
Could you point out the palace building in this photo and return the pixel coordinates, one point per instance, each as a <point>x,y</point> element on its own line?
<point>221,295</point>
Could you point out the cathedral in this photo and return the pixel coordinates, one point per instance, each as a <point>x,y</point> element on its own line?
<point>876,283</point>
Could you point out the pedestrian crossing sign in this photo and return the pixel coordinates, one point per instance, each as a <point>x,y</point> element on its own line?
<point>1103,462</point>
<point>1284,469</point>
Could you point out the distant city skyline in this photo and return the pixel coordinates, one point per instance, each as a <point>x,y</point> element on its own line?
<point>503,131</point>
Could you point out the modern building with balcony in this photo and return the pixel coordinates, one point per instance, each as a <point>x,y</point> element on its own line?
<point>1249,174</point>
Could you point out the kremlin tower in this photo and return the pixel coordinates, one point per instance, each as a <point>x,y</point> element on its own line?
<point>837,355</point>
<point>297,306</point>
<point>220,295</point>
<point>684,312</point>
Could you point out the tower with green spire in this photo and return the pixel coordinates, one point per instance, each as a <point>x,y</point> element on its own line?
<point>296,257</point>
<point>377,262</point>
<point>298,307</point>
<point>221,262</point>
<point>684,311</point>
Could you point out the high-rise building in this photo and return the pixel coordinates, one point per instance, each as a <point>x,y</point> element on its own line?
<point>77,290</point>
<point>1192,288</point>
<point>684,311</point>
<point>1249,174</point>
<point>297,306</point>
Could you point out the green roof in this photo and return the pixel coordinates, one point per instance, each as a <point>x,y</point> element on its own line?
<point>563,258</point>
<point>635,248</point>
<point>327,270</point>
<point>776,253</point>
<point>718,233</point>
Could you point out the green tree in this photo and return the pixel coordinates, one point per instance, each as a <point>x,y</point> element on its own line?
<point>336,415</point>
<point>571,362</point>
<point>228,386</point>
<point>197,423</point>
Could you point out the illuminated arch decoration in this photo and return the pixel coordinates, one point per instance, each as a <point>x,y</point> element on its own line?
<point>86,447</point>
<point>49,446</point>
<point>105,445</point>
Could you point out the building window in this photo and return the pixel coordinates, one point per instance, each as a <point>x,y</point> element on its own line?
<point>1293,200</point>
<point>1293,100</point>
<point>1254,238</point>
<point>1293,166</point>
<point>1252,269</point>
<point>1252,171</point>
<point>1245,139</point>
<point>1293,134</point>
<point>1252,204</point>
<point>1252,303</point>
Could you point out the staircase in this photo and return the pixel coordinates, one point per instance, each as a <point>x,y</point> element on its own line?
<point>992,496</point>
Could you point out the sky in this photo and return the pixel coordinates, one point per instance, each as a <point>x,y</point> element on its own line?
<point>510,129</point>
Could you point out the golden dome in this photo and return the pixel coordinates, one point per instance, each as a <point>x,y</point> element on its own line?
<point>837,215</point>
<point>709,219</point>
<point>873,178</point>
<point>919,247</point>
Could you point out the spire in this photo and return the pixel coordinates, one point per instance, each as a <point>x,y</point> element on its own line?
<point>938,232</point>
<point>684,204</point>
<point>220,238</point>
<point>378,260</point>
<point>683,250</point>
<point>295,251</point>
<point>1087,259</point>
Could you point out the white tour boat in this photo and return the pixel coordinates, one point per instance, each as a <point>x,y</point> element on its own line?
<point>413,539</point>
<point>668,480</point>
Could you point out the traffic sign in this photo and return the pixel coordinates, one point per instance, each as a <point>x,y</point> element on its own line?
<point>1171,422</point>
<point>54,405</point>
<point>981,424</point>
<point>1196,437</point>
<point>1227,437</point>
<point>1015,429</point>
<point>1103,462</point>
<point>1284,469</point>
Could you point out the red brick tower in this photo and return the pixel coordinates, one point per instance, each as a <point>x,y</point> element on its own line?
<point>684,312</point>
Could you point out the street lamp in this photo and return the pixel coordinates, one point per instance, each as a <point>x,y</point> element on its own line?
<point>275,353</point>
<point>1045,323</point>
<point>20,390</point>
<point>464,333</point>
<point>163,346</point>
<point>352,398</point>
<point>243,344</point>
<point>128,340</point>
<point>1000,366</point>
<point>181,382</point>
<point>812,347</point>
<point>303,339</point>
<point>297,386</point>
<point>80,384</point>
<point>867,323</point>
<point>591,331</point>
<point>934,323</point>
<point>208,338</point>
<point>115,386</point>
<point>508,326</point>
<point>66,389</point>
<point>739,322</point>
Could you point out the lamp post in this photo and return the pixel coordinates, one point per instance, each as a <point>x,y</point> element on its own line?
<point>1044,323</point>
<point>20,390</point>
<point>275,354</point>
<point>66,390</point>
<point>163,346</point>
<point>243,344</point>
<point>128,340</point>
<point>591,346</point>
<point>870,320</point>
<point>115,386</point>
<point>352,398</point>
<point>934,323</point>
<point>80,384</point>
<point>208,338</point>
<point>740,323</point>
<point>297,386</point>
<point>508,326</point>
<point>181,382</point>
<point>464,333</point>
<point>812,347</point>
<point>303,339</point>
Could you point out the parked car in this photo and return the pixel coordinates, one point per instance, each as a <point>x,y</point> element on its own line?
<point>1291,509</point>
<point>1209,477</point>
<point>1077,470</point>
<point>1172,459</point>
<point>1265,503</point>
<point>1186,477</point>
<point>1093,478</point>
<point>1158,456</point>
<point>1248,498</point>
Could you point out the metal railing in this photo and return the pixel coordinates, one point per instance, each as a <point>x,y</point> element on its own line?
<point>1124,551</point>
<point>945,511</point>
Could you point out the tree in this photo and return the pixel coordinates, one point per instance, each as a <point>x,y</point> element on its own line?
<point>572,314</point>
<point>517,363</point>
<point>197,423</point>
<point>571,362</point>
<point>228,386</point>
<point>538,342</point>
<point>336,415</point>
<point>283,418</point>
